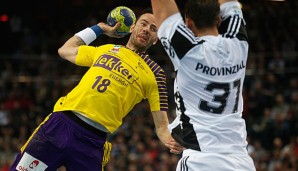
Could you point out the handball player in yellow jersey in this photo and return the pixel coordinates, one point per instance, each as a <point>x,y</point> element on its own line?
<point>74,134</point>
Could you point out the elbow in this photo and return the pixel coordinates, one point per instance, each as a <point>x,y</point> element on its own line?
<point>67,53</point>
<point>61,52</point>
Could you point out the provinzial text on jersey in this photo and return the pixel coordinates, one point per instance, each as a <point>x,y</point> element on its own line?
<point>215,71</point>
<point>116,66</point>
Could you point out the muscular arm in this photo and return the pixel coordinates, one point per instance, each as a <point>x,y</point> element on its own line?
<point>162,9</point>
<point>161,124</point>
<point>70,48</point>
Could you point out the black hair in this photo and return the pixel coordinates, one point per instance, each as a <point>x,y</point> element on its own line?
<point>204,13</point>
<point>145,11</point>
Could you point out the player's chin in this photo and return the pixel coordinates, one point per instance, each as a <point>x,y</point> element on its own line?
<point>142,42</point>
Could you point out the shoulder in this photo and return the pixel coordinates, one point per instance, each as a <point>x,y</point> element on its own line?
<point>154,66</point>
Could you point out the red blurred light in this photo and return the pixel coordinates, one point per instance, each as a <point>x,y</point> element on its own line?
<point>4,18</point>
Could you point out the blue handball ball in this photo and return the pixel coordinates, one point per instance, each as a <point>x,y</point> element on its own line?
<point>125,16</point>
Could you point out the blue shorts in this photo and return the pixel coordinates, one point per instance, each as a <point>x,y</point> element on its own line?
<point>63,139</point>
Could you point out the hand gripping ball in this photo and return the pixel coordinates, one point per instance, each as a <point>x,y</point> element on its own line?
<point>125,16</point>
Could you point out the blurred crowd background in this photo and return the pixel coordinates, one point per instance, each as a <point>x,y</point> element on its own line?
<point>33,77</point>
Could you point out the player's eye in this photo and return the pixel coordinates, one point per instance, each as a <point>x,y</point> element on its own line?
<point>154,29</point>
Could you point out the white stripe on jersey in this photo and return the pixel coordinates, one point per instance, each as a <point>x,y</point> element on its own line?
<point>233,27</point>
<point>183,166</point>
<point>187,33</point>
<point>197,161</point>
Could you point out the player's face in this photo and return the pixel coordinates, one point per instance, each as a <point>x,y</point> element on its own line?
<point>144,32</point>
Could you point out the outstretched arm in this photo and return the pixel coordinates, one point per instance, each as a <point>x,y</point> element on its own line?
<point>161,124</point>
<point>70,48</point>
<point>162,9</point>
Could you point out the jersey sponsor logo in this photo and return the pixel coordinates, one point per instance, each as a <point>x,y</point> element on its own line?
<point>118,79</point>
<point>215,71</point>
<point>30,163</point>
<point>116,49</point>
<point>117,66</point>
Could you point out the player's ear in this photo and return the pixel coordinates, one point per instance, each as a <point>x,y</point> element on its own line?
<point>132,27</point>
<point>218,21</point>
<point>188,22</point>
<point>155,41</point>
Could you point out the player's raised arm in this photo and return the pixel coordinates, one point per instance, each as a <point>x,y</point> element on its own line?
<point>231,15</point>
<point>162,9</point>
<point>69,49</point>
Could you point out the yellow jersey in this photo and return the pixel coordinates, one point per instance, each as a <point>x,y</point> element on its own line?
<point>118,79</point>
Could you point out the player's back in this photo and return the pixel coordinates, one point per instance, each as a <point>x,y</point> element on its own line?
<point>209,84</point>
<point>215,67</point>
<point>208,87</point>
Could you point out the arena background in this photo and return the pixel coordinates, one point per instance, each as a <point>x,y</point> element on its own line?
<point>33,77</point>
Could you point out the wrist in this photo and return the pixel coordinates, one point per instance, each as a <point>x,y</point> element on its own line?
<point>97,30</point>
<point>89,34</point>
